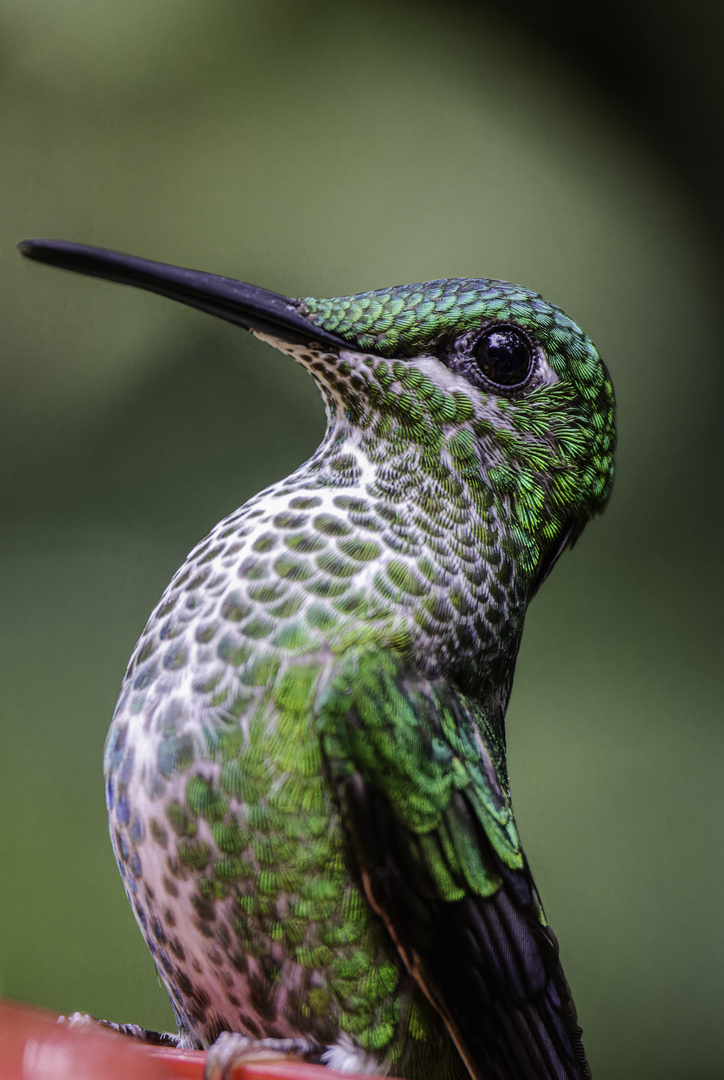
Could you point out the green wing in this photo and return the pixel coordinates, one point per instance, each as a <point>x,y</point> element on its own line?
<point>421,782</point>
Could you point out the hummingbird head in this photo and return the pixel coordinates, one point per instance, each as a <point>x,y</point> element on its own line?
<point>460,385</point>
<point>495,386</point>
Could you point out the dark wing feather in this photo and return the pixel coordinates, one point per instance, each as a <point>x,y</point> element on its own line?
<point>424,797</point>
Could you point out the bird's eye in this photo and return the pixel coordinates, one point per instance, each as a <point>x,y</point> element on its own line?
<point>504,355</point>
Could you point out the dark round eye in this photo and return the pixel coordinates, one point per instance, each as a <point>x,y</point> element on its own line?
<point>504,355</point>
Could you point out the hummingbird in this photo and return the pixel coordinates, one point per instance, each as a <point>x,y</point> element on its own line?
<point>306,774</point>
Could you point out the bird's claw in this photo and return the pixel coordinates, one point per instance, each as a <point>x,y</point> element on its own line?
<point>231,1049</point>
<point>85,1022</point>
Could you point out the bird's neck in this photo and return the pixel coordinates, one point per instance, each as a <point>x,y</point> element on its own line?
<point>446,565</point>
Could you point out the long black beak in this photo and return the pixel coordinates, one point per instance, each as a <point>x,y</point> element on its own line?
<point>239,303</point>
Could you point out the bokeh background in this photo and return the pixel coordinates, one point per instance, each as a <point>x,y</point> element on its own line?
<point>329,148</point>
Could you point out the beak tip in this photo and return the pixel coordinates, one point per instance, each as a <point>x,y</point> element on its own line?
<point>41,250</point>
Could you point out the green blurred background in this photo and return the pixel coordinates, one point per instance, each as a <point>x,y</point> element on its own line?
<point>330,148</point>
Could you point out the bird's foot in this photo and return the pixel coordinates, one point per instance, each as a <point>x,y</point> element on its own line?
<point>81,1021</point>
<point>231,1050</point>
